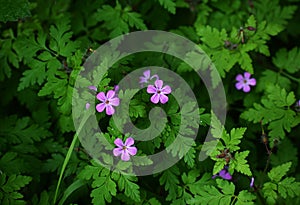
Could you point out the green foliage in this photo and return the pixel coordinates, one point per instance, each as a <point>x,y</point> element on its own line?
<point>274,110</point>
<point>286,187</point>
<point>14,10</point>
<point>119,20</point>
<point>10,185</point>
<point>222,194</point>
<point>45,46</point>
<point>287,60</point>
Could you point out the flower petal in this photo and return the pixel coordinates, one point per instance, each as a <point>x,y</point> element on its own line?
<point>101,96</point>
<point>87,106</point>
<point>158,84</point>
<point>110,110</point>
<point>151,89</point>
<point>92,87</point>
<point>147,74</point>
<point>225,174</point>
<point>143,80</point>
<point>239,85</point>
<point>110,94</point>
<point>154,76</point>
<point>118,142</point>
<point>239,77</point>
<point>117,151</point>
<point>116,88</point>
<point>252,182</point>
<point>125,155</point>
<point>166,90</point>
<point>247,75</point>
<point>252,81</point>
<point>246,88</point>
<point>163,98</point>
<point>155,98</point>
<point>129,141</point>
<point>114,101</point>
<point>132,150</point>
<point>100,107</point>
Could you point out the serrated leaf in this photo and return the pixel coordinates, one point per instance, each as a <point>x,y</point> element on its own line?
<point>278,172</point>
<point>241,164</point>
<point>169,5</point>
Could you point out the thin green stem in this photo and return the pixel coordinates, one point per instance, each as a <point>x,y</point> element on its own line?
<point>290,77</point>
<point>69,153</point>
<point>235,198</point>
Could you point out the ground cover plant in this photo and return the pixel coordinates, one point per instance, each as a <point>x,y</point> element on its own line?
<point>252,53</point>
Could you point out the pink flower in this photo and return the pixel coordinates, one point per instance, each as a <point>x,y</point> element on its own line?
<point>159,92</point>
<point>124,149</point>
<point>244,82</point>
<point>224,174</point>
<point>147,76</point>
<point>107,102</point>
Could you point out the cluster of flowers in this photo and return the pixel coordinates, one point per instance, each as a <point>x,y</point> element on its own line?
<point>110,100</point>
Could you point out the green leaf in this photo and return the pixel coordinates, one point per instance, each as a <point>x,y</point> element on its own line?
<point>211,195</point>
<point>169,5</point>
<point>240,163</point>
<point>289,187</point>
<point>245,198</point>
<point>278,172</point>
<point>131,189</point>
<point>170,179</point>
<point>103,190</point>
<point>15,183</point>
<point>275,110</point>
<point>287,60</point>
<point>119,20</point>
<point>235,138</point>
<point>60,41</point>
<point>13,10</point>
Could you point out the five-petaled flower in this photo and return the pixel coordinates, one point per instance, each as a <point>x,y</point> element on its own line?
<point>107,102</point>
<point>159,92</point>
<point>147,77</point>
<point>244,82</point>
<point>124,149</point>
<point>224,174</point>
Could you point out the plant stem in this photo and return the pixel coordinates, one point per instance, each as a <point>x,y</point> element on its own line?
<point>290,77</point>
<point>69,153</point>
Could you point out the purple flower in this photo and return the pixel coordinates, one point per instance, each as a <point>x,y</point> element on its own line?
<point>147,76</point>
<point>159,92</point>
<point>92,87</point>
<point>107,102</point>
<point>224,174</point>
<point>125,149</point>
<point>116,88</point>
<point>252,182</point>
<point>244,82</point>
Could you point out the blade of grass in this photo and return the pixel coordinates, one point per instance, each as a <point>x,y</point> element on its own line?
<point>69,153</point>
